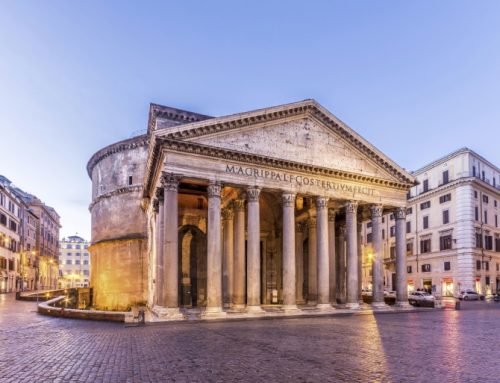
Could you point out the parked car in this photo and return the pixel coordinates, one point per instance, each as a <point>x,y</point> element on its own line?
<point>421,298</point>
<point>470,295</point>
<point>389,294</point>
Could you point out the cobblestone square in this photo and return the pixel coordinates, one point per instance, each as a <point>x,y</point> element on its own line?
<point>433,346</point>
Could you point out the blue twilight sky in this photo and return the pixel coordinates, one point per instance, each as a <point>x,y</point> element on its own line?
<point>418,79</point>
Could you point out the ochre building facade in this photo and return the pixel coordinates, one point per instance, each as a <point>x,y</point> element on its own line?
<point>239,212</point>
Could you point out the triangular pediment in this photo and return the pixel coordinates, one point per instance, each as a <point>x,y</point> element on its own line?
<point>302,140</point>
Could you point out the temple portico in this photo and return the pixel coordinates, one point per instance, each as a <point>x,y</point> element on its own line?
<point>246,212</point>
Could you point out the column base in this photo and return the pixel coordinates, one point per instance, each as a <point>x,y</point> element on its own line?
<point>301,301</point>
<point>167,313</point>
<point>379,305</point>
<point>324,306</point>
<point>213,313</point>
<point>255,310</point>
<point>352,306</point>
<point>403,305</point>
<point>291,309</point>
<point>312,303</point>
<point>238,307</point>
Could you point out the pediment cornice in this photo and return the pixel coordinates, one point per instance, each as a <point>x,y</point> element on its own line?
<point>306,108</point>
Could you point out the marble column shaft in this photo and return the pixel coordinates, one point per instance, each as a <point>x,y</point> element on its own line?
<point>160,231</point>
<point>299,262</point>
<point>341,266</point>
<point>323,263</point>
<point>239,254</point>
<point>377,257</point>
<point>289,299</point>
<point>401,289</point>
<point>228,235</point>
<point>253,249</point>
<point>312,286</point>
<point>171,238</point>
<point>331,257</point>
<point>360,261</point>
<point>352,254</point>
<point>214,255</point>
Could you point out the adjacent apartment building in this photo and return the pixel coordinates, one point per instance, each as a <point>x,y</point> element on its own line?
<point>29,237</point>
<point>74,262</point>
<point>452,226</point>
<point>10,240</point>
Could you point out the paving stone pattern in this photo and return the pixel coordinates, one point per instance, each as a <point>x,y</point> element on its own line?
<point>434,346</point>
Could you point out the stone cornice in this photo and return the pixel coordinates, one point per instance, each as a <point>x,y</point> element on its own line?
<point>306,108</point>
<point>128,189</point>
<point>163,143</point>
<point>120,146</point>
<point>449,186</point>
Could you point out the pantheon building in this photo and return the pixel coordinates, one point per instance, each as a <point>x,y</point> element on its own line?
<point>239,213</point>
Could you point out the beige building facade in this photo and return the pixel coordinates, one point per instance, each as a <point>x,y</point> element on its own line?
<point>74,262</point>
<point>238,212</point>
<point>452,228</point>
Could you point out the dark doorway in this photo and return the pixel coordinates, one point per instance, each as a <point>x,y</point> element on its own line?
<point>192,266</point>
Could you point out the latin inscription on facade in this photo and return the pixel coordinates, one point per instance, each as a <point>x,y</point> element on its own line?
<point>299,180</point>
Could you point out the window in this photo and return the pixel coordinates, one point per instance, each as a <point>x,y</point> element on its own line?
<point>426,185</point>
<point>409,210</point>
<point>446,217</point>
<point>426,222</point>
<point>369,237</point>
<point>69,247</point>
<point>408,227</point>
<point>392,252</point>
<point>408,269</point>
<point>475,193</point>
<point>393,231</point>
<point>485,198</point>
<point>68,261</point>
<point>77,262</point>
<point>445,242</point>
<point>496,220</point>
<point>426,268</point>
<point>78,254</point>
<point>425,246</point>
<point>425,205</point>
<point>488,242</point>
<point>497,244</point>
<point>476,213</point>
<point>409,248</point>
<point>447,266</point>
<point>445,177</point>
<point>13,226</point>
<point>485,216</point>
<point>85,254</point>
<point>473,171</point>
<point>487,281</point>
<point>487,266</point>
<point>85,272</point>
<point>445,198</point>
<point>479,240</point>
<point>478,265</point>
<point>498,266</point>
<point>483,175</point>
<point>383,233</point>
<point>86,262</point>
<point>77,247</point>
<point>3,219</point>
<point>129,180</point>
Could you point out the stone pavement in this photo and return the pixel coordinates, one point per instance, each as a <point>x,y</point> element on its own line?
<point>433,346</point>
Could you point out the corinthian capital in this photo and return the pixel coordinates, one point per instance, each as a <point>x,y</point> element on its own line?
<point>239,204</point>
<point>253,194</point>
<point>227,214</point>
<point>400,213</point>
<point>214,189</point>
<point>376,211</point>
<point>331,215</point>
<point>321,202</point>
<point>351,207</point>
<point>288,199</point>
<point>170,181</point>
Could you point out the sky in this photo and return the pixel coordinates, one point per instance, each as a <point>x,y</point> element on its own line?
<point>417,79</point>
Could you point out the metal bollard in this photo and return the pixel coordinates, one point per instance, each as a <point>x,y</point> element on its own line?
<point>457,305</point>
